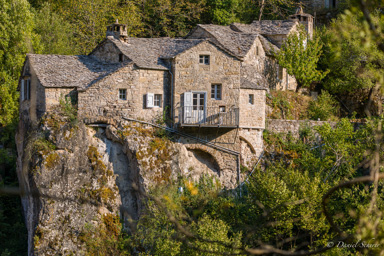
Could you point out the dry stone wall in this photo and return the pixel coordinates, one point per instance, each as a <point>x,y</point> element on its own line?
<point>292,126</point>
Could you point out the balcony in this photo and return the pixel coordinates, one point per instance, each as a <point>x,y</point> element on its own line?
<point>199,116</point>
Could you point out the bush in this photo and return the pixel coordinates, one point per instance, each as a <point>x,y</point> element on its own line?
<point>324,108</point>
<point>67,107</point>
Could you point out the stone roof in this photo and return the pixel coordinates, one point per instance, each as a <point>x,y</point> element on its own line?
<point>236,42</point>
<point>69,71</point>
<point>150,52</point>
<point>266,27</point>
<point>268,46</point>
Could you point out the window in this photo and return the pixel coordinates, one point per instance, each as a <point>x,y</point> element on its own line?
<point>222,109</point>
<point>251,99</point>
<point>123,94</point>
<point>204,59</point>
<point>157,100</point>
<point>216,91</point>
<point>121,57</point>
<point>257,50</point>
<point>25,90</point>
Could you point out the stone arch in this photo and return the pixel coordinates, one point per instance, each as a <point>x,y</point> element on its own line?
<point>248,152</point>
<point>248,143</point>
<point>216,156</point>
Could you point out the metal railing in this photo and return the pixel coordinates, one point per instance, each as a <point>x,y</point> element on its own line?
<point>209,116</point>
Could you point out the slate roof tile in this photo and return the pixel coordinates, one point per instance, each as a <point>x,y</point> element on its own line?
<point>69,71</point>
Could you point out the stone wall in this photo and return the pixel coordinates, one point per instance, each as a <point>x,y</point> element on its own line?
<point>252,115</point>
<point>191,76</point>
<point>255,57</point>
<point>54,95</point>
<point>291,126</point>
<point>275,81</point>
<point>107,52</point>
<point>102,98</point>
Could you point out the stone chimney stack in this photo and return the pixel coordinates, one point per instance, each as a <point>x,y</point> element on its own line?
<point>305,19</point>
<point>118,31</point>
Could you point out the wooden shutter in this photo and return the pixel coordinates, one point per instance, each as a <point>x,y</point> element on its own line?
<point>188,104</point>
<point>22,90</point>
<point>150,100</point>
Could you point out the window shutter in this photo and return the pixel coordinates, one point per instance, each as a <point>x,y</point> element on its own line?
<point>22,90</point>
<point>188,99</point>
<point>150,100</point>
<point>187,104</point>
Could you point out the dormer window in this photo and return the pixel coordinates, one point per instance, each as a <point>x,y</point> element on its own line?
<point>204,59</point>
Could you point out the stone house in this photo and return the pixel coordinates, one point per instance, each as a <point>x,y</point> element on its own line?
<point>212,83</point>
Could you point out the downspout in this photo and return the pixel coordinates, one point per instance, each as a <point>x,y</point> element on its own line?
<point>238,173</point>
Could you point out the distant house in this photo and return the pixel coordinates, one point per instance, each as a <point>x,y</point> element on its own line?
<point>212,83</point>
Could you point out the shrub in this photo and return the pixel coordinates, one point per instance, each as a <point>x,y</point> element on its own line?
<point>324,108</point>
<point>68,109</point>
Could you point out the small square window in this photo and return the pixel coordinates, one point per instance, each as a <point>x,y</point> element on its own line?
<point>216,91</point>
<point>157,100</point>
<point>204,59</point>
<point>222,109</point>
<point>123,94</point>
<point>251,99</point>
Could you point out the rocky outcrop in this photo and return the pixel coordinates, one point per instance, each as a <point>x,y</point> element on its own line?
<point>73,175</point>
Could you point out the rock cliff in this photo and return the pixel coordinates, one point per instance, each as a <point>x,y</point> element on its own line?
<point>73,174</point>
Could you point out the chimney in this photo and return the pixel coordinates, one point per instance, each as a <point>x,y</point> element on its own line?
<point>304,19</point>
<point>118,31</point>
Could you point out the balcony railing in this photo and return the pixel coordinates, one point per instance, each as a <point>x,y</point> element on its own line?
<point>208,116</point>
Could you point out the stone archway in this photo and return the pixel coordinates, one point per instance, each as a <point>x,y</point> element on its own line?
<point>216,156</point>
<point>248,153</point>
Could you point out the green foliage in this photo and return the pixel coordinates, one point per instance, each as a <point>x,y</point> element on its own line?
<point>300,55</point>
<point>169,17</point>
<point>213,230</point>
<point>354,61</point>
<point>89,19</point>
<point>107,238</point>
<point>56,33</point>
<point>16,39</point>
<point>69,109</point>
<point>223,12</point>
<point>288,105</point>
<point>324,108</point>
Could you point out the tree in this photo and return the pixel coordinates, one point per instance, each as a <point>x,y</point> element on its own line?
<point>89,19</point>
<point>16,39</point>
<point>300,55</point>
<point>354,62</point>
<point>169,17</point>
<point>57,33</point>
<point>275,8</point>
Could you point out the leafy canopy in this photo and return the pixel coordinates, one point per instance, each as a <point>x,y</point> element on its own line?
<point>300,55</point>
